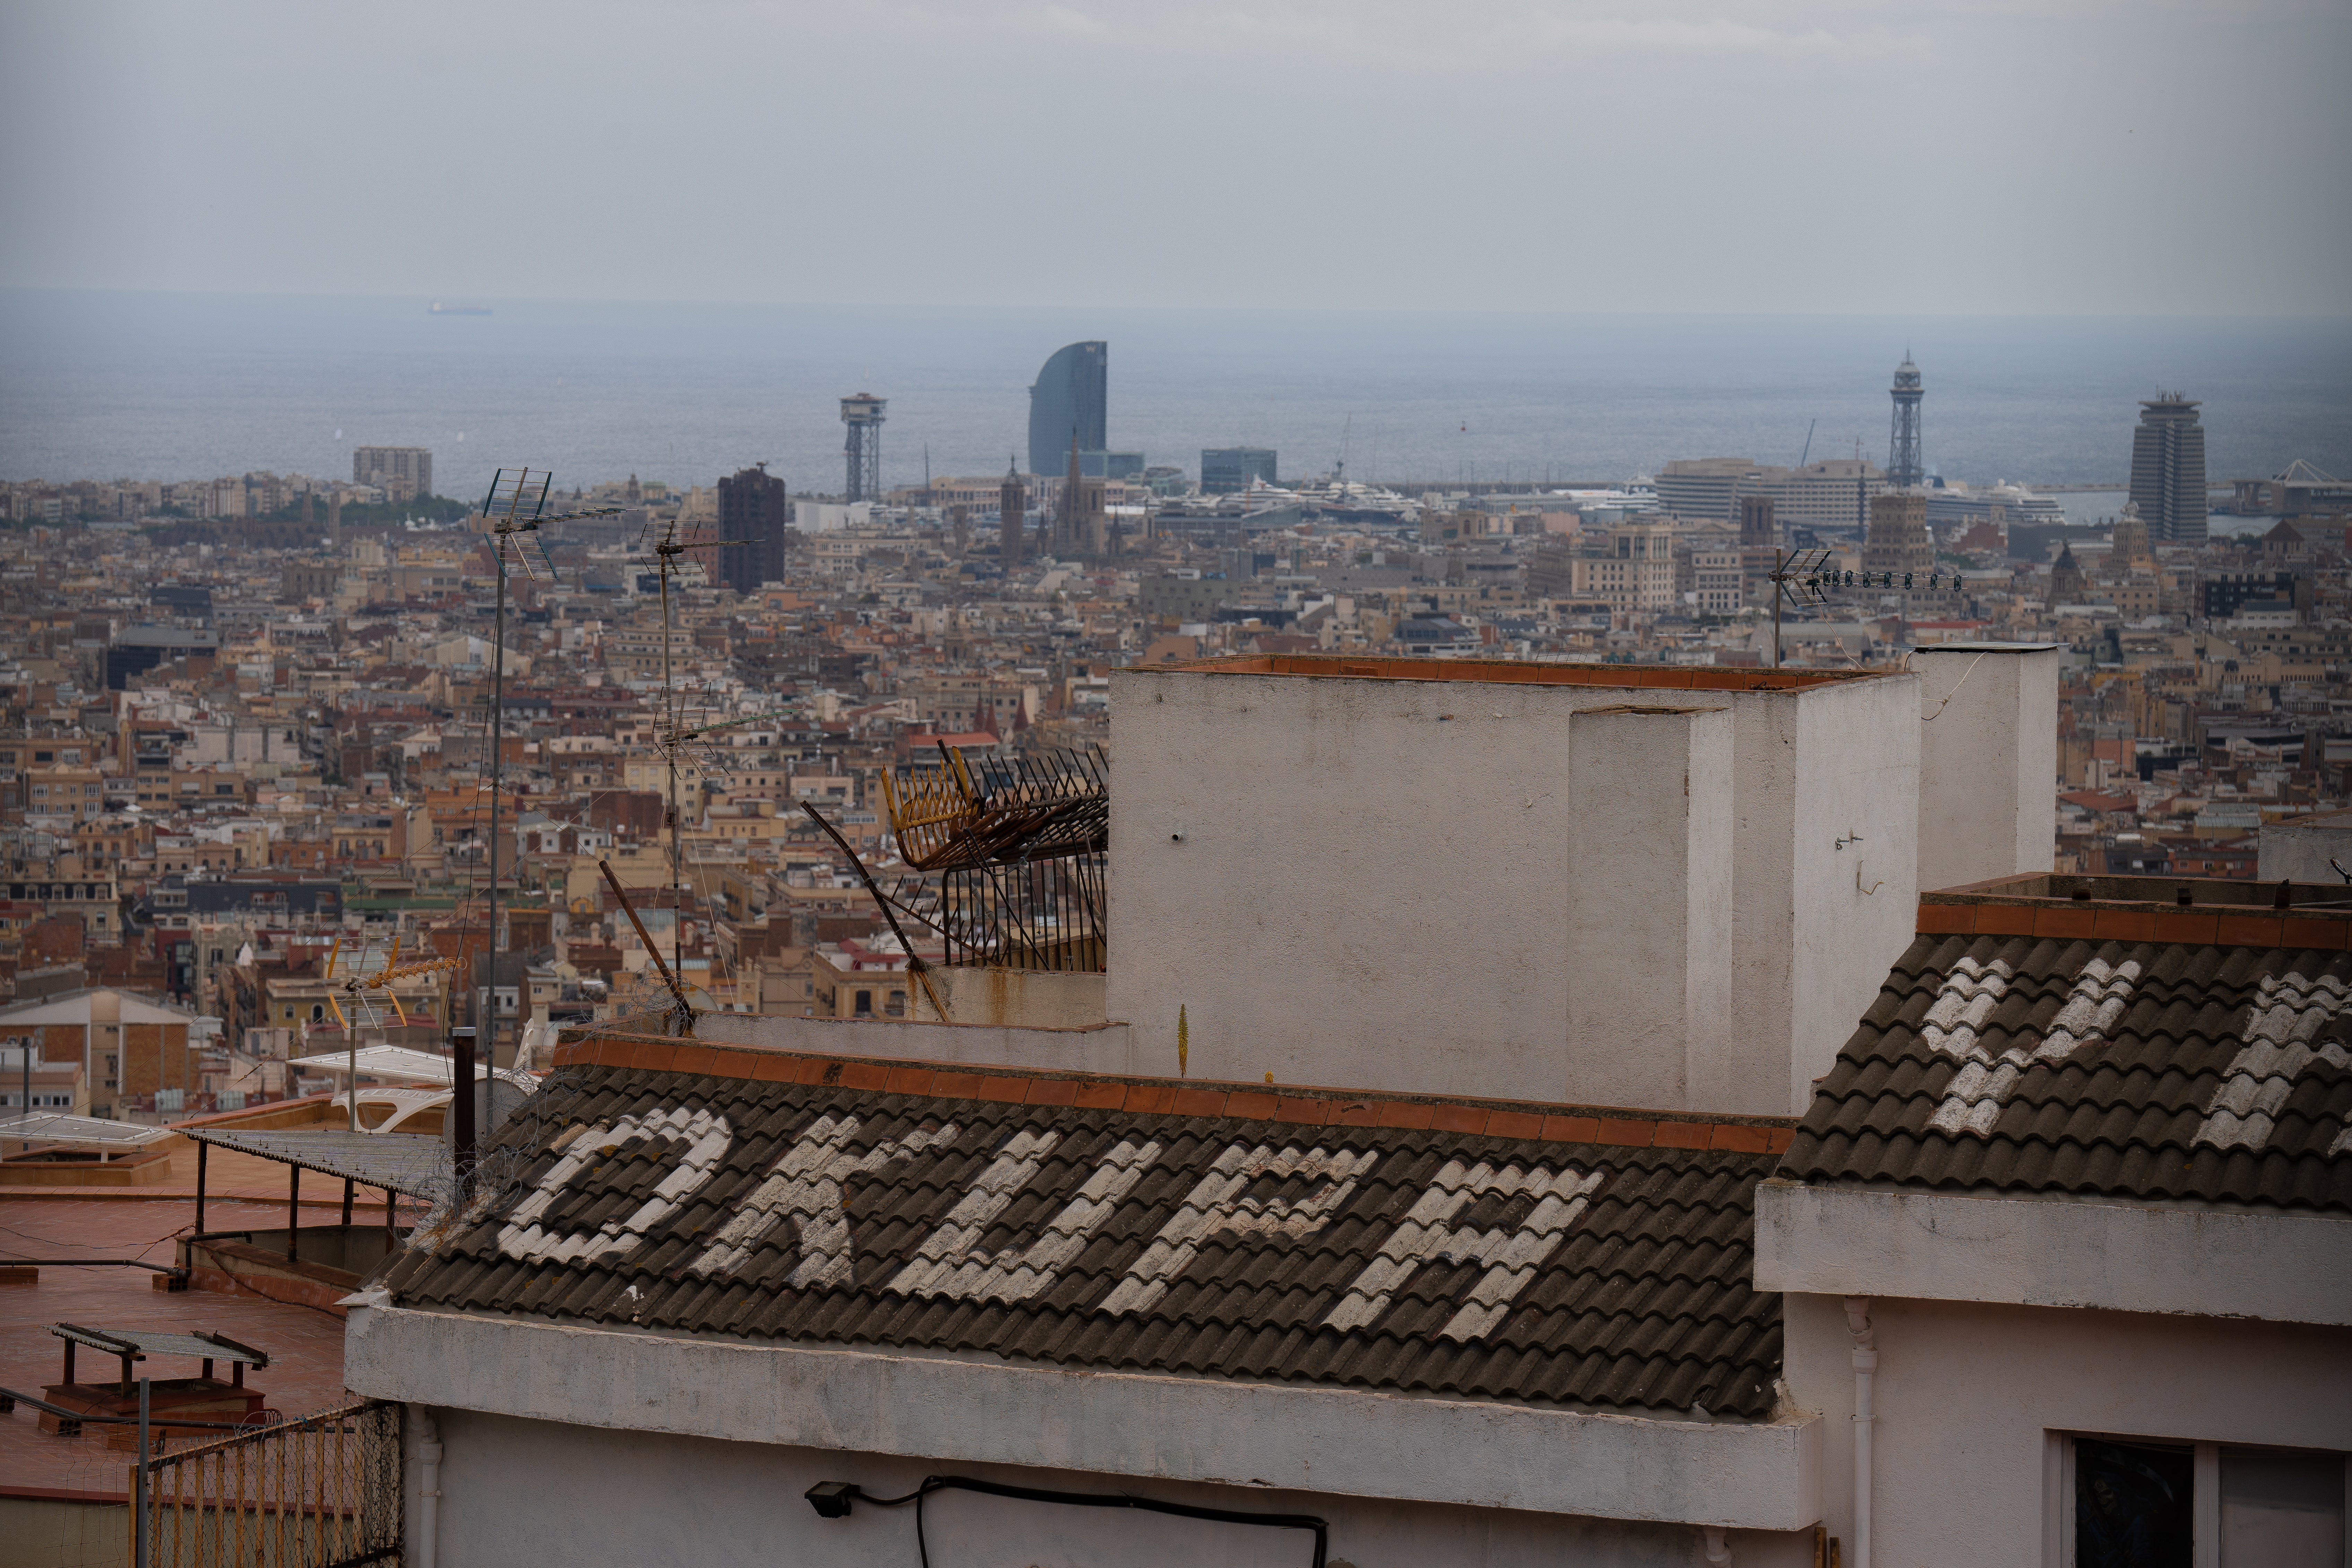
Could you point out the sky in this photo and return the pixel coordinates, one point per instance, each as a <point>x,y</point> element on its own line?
<point>1994,157</point>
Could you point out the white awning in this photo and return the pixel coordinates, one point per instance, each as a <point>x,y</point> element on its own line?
<point>419,1167</point>
<point>402,1062</point>
<point>80,1131</point>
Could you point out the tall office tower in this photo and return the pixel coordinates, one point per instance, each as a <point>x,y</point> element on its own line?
<point>1227,469</point>
<point>1011,499</point>
<point>863,416</point>
<point>1756,529</point>
<point>755,509</point>
<point>1904,469</point>
<point>1072,393</point>
<point>1899,540</point>
<point>403,473</point>
<point>2168,471</point>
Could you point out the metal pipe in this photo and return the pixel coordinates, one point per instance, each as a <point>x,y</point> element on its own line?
<point>139,1555</point>
<point>429,1491</point>
<point>1865,1368</point>
<point>293,1208</point>
<point>462,1129</point>
<point>202,1149</point>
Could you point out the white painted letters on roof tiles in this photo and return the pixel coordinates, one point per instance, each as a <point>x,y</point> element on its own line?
<point>1427,1233</point>
<point>1965,1000</point>
<point>1973,1100</point>
<point>805,1186</point>
<point>1216,1207</point>
<point>950,1261</point>
<point>2286,1013</point>
<point>707,1138</point>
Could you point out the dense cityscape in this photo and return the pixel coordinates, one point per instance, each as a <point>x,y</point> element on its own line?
<point>367,835</point>
<point>245,713</point>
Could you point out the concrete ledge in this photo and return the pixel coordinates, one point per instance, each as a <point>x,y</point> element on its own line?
<point>1341,1441</point>
<point>2052,1252</point>
<point>235,1267</point>
<point>1098,1047</point>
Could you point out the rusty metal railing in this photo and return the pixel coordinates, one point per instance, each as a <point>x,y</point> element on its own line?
<point>320,1491</point>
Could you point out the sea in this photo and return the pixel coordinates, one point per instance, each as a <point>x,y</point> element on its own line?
<point>178,386</point>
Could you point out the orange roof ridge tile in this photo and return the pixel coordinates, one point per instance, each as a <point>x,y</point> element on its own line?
<point>1295,1104</point>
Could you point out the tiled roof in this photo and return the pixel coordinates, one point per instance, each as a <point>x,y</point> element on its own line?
<point>1478,1250</point>
<point>2146,1069</point>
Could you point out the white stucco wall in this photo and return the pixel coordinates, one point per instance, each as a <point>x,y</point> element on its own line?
<point>1966,1394</point>
<point>1101,1048</point>
<point>2054,1251</point>
<point>1850,868</point>
<point>1988,760</point>
<point>516,1490</point>
<point>1648,952</point>
<point>983,1410</point>
<point>2299,850</point>
<point>1365,882</point>
<point>1020,998</point>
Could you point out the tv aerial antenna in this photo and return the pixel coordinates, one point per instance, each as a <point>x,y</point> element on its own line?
<point>513,514</point>
<point>359,988</point>
<point>1796,580</point>
<point>675,738</point>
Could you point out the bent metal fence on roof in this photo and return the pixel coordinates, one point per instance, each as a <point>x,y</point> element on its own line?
<point>1484,1252</point>
<point>1018,847</point>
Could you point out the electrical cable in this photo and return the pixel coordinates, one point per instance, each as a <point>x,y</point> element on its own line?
<point>1954,691</point>
<point>1091,1500</point>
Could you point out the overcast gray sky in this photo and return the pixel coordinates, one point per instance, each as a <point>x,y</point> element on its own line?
<point>1724,155</point>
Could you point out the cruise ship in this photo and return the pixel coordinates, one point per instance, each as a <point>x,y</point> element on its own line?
<point>1961,504</point>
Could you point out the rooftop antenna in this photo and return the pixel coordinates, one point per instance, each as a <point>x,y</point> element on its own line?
<point>1803,570</point>
<point>673,738</point>
<point>514,510</point>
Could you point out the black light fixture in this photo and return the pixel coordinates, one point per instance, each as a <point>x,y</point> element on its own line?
<point>831,1499</point>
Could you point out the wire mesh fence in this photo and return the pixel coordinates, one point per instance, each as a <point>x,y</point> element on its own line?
<point>322,1491</point>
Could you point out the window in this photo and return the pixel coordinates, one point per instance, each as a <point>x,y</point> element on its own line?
<point>2137,1505</point>
<point>865,1003</point>
<point>2285,1508</point>
<point>897,1005</point>
<point>2133,1505</point>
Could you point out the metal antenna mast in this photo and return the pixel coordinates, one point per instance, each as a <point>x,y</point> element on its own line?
<point>515,506</point>
<point>674,735</point>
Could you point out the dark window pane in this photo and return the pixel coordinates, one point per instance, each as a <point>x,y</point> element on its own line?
<point>2132,1505</point>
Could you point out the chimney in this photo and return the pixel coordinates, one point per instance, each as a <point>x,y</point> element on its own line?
<point>1988,760</point>
<point>1649,918</point>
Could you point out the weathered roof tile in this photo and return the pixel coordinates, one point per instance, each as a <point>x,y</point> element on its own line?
<point>2162,1070</point>
<point>1005,1223</point>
